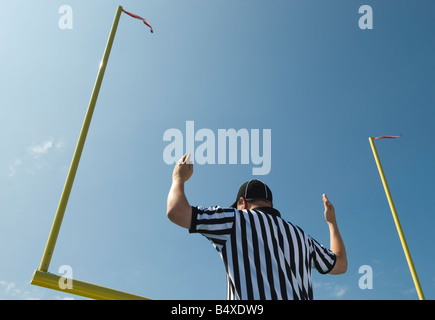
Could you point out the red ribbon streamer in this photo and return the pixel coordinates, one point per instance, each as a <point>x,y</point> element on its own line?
<point>387,137</point>
<point>140,18</point>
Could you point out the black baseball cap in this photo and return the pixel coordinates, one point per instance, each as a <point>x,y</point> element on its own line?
<point>253,189</point>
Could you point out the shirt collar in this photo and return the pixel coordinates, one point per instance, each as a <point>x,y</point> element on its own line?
<point>268,210</point>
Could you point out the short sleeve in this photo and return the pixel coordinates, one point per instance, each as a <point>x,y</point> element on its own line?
<point>212,220</point>
<point>323,258</point>
<point>214,223</point>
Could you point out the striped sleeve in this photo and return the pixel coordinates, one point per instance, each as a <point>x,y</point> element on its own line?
<point>324,259</point>
<point>215,223</point>
<point>214,220</point>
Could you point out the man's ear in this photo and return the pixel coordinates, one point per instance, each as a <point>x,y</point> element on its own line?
<point>243,203</point>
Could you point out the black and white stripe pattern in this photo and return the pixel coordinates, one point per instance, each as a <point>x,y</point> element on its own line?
<point>265,257</point>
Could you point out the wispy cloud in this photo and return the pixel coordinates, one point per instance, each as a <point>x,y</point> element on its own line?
<point>10,290</point>
<point>33,156</point>
<point>42,148</point>
<point>8,286</point>
<point>14,166</point>
<point>338,291</point>
<point>410,291</point>
<point>333,289</point>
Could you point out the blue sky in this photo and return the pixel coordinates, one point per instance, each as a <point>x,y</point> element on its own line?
<point>303,69</point>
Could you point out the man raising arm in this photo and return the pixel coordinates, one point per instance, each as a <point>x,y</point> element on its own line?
<point>336,242</point>
<point>251,236</point>
<point>179,212</point>
<point>178,209</point>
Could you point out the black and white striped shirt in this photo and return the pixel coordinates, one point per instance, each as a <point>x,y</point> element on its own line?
<point>265,257</point>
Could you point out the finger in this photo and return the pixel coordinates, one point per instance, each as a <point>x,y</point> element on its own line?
<point>181,161</point>
<point>326,201</point>
<point>188,155</point>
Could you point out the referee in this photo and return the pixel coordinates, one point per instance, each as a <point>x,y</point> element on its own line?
<point>265,256</point>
